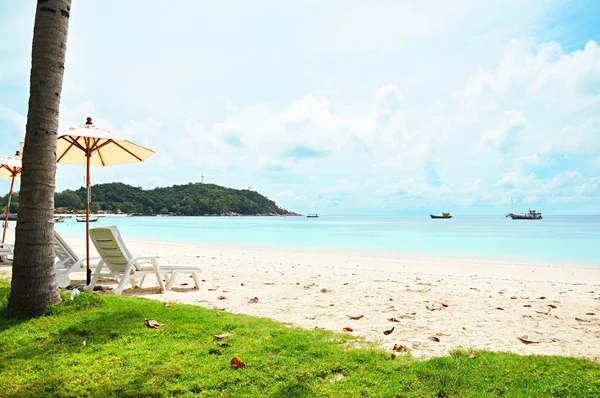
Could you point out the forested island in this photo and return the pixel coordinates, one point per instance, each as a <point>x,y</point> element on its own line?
<point>192,199</point>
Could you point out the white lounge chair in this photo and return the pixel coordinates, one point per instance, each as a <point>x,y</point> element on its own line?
<point>6,253</point>
<point>66,261</point>
<point>122,266</point>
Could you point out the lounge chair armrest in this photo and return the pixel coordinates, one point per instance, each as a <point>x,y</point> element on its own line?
<point>152,259</point>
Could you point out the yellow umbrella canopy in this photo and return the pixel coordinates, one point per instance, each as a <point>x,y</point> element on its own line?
<point>10,168</point>
<point>93,146</point>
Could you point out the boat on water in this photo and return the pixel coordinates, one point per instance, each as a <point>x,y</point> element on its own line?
<point>92,218</point>
<point>444,215</point>
<point>312,215</point>
<point>532,215</point>
<point>60,219</point>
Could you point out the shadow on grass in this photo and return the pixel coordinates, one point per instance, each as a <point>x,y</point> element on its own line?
<point>295,389</point>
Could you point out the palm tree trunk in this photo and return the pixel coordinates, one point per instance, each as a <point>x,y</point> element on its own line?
<point>33,286</point>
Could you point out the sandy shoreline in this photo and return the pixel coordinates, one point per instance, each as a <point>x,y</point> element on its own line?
<point>475,303</point>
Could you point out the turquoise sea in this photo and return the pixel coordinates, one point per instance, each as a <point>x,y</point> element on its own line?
<point>555,239</point>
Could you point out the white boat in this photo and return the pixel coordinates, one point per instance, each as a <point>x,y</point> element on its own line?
<point>92,218</point>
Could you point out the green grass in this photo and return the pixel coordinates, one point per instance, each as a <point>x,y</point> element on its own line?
<point>122,357</point>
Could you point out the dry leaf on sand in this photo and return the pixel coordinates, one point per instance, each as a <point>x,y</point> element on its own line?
<point>221,336</point>
<point>237,362</point>
<point>581,320</point>
<point>388,332</point>
<point>221,298</point>
<point>355,318</point>
<point>253,300</point>
<point>348,329</point>
<point>552,306</point>
<point>400,347</point>
<point>325,290</point>
<point>473,355</point>
<point>152,323</point>
<point>393,319</point>
<point>500,308</point>
<point>433,338</point>
<point>590,313</point>
<point>524,340</point>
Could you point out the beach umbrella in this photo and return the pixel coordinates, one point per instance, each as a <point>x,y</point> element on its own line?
<point>10,168</point>
<point>93,146</point>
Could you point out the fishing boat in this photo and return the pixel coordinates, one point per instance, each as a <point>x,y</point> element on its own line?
<point>444,215</point>
<point>312,215</point>
<point>60,219</point>
<point>92,218</point>
<point>532,215</point>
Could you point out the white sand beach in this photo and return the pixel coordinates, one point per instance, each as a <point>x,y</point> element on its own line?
<point>435,304</point>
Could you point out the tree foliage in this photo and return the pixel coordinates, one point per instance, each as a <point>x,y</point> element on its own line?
<point>193,199</point>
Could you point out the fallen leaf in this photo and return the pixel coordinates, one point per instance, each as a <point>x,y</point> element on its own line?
<point>355,318</point>
<point>388,332</point>
<point>555,340</point>
<point>513,297</point>
<point>393,320</point>
<point>527,305</point>
<point>552,306</point>
<point>473,355</point>
<point>500,292</point>
<point>433,338</point>
<point>525,341</point>
<point>444,304</point>
<point>212,289</point>
<point>500,308</point>
<point>221,336</point>
<point>348,329</point>
<point>581,320</point>
<point>242,284</point>
<point>544,313</point>
<point>152,323</point>
<point>391,299</point>
<point>400,347</point>
<point>464,328</point>
<point>542,298</point>
<point>430,308</point>
<point>311,317</point>
<point>223,345</point>
<point>345,283</point>
<point>183,284</point>
<point>590,313</point>
<point>221,298</point>
<point>473,288</point>
<point>253,300</point>
<point>325,290</point>
<point>237,362</point>
<point>393,355</point>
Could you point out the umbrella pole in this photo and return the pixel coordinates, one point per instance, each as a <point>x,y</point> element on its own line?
<point>12,183</point>
<point>87,223</point>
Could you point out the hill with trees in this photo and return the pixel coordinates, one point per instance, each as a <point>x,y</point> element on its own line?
<point>192,199</point>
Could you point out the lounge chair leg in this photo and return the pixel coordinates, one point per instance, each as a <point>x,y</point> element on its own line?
<point>171,280</point>
<point>142,281</point>
<point>195,276</point>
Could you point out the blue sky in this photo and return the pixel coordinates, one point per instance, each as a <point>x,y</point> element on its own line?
<point>337,106</point>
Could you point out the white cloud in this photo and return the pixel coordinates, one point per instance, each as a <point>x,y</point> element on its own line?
<point>504,136</point>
